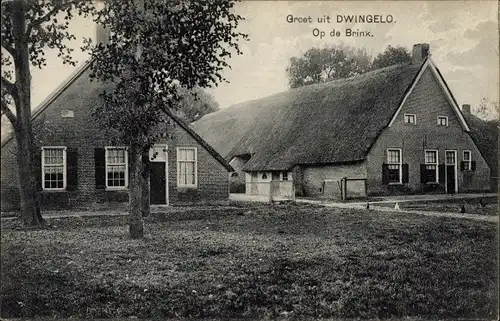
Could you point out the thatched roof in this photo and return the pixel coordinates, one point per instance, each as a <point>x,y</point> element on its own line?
<point>485,136</point>
<point>333,122</point>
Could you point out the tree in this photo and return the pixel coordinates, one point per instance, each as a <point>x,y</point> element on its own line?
<point>194,104</point>
<point>487,109</point>
<point>28,28</point>
<point>322,65</point>
<point>152,51</point>
<point>391,56</point>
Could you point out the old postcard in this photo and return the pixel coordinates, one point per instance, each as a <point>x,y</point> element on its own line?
<point>250,160</point>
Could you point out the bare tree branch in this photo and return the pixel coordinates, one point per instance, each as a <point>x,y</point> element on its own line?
<point>8,48</point>
<point>7,112</point>
<point>9,86</point>
<point>48,15</point>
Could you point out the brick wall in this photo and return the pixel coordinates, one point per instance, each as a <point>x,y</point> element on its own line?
<point>427,101</point>
<point>81,133</point>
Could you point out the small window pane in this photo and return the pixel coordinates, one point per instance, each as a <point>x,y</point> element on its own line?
<point>450,157</point>
<point>431,157</point>
<point>393,156</point>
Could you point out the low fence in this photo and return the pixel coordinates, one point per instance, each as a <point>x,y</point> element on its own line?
<point>353,188</point>
<point>275,190</point>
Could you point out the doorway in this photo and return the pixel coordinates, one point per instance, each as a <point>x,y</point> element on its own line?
<point>451,185</point>
<point>158,183</point>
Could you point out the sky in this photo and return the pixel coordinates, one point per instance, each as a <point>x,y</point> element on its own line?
<point>463,38</point>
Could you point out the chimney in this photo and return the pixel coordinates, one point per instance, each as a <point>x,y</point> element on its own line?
<point>420,52</point>
<point>466,108</point>
<point>102,34</point>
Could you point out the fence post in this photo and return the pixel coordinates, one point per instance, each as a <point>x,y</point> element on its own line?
<point>293,191</point>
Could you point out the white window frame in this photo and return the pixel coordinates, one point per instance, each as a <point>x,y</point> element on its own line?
<point>106,148</point>
<point>414,118</point>
<point>64,168</point>
<point>442,117</point>
<point>436,163</point>
<point>400,164</point>
<point>195,166</point>
<point>469,161</point>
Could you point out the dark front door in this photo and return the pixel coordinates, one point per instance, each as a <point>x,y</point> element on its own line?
<point>451,163</point>
<point>450,179</point>
<point>157,187</point>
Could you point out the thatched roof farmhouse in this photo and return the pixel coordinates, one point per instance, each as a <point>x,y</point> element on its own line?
<point>397,130</point>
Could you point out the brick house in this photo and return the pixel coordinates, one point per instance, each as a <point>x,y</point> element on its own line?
<point>396,130</point>
<point>79,165</point>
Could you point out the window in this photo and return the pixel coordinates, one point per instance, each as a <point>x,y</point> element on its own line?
<point>431,166</point>
<point>54,168</point>
<point>116,168</point>
<point>187,167</point>
<point>467,160</point>
<point>264,176</point>
<point>410,119</point>
<point>394,165</point>
<point>285,176</point>
<point>451,157</point>
<point>442,120</point>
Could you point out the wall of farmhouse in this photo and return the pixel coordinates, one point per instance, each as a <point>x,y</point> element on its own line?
<point>325,180</point>
<point>427,101</point>
<point>80,134</point>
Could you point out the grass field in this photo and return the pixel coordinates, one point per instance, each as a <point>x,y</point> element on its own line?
<point>290,261</point>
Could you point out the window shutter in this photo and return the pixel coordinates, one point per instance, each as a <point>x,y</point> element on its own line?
<point>100,167</point>
<point>385,174</point>
<point>423,174</point>
<point>405,174</point>
<point>71,169</point>
<point>462,166</point>
<point>473,165</point>
<point>37,165</point>
<point>442,174</point>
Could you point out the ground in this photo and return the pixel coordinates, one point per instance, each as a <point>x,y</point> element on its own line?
<point>258,261</point>
<point>480,206</point>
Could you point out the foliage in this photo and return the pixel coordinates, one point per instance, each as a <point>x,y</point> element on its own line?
<point>391,56</point>
<point>153,52</point>
<point>46,27</point>
<point>260,262</point>
<point>322,65</point>
<point>194,104</point>
<point>487,109</point>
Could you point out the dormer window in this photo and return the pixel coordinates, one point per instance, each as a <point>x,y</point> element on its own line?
<point>442,121</point>
<point>410,119</point>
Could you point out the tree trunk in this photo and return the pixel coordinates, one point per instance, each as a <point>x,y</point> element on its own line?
<point>30,196</point>
<point>136,186</point>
